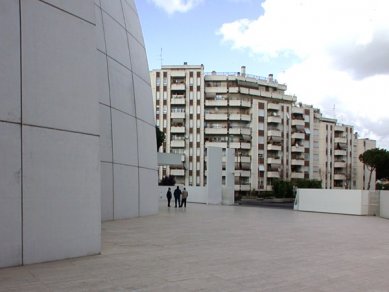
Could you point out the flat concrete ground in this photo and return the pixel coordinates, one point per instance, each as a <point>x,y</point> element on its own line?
<point>220,248</point>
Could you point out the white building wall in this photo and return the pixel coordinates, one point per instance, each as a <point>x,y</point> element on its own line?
<point>73,121</point>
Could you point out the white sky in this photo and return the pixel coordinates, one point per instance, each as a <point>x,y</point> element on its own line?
<point>339,49</point>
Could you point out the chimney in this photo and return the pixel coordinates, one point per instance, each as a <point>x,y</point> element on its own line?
<point>243,71</point>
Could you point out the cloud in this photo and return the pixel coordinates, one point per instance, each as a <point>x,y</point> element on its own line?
<point>341,53</point>
<point>172,6</point>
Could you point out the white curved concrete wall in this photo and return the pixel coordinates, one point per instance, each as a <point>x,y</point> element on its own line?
<point>58,95</point>
<point>128,151</point>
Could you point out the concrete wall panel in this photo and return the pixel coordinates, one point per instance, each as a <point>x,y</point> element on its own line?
<point>10,195</point>
<point>121,87</point>
<point>107,191</point>
<point>116,40</point>
<point>126,203</point>
<point>125,149</point>
<point>148,193</point>
<point>61,192</point>
<point>384,204</point>
<point>59,69</point>
<point>9,61</point>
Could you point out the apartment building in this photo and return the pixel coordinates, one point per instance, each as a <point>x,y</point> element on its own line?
<point>274,137</point>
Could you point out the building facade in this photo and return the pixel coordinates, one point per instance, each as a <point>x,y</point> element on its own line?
<point>77,126</point>
<point>273,135</point>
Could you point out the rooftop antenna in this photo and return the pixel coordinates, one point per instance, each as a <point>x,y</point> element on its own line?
<point>334,110</point>
<point>161,57</point>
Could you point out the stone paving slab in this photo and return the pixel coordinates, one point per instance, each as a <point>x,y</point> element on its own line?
<point>223,248</point>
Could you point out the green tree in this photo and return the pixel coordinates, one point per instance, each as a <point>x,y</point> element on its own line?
<point>168,181</point>
<point>160,137</point>
<point>373,159</point>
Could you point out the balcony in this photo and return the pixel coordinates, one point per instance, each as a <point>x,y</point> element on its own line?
<point>273,147</point>
<point>177,86</point>
<point>177,172</point>
<point>342,140</point>
<point>216,89</point>
<point>299,149</point>
<point>179,130</point>
<point>340,152</point>
<point>240,103</point>
<point>297,175</point>
<point>177,101</point>
<point>240,131</point>
<point>242,187</point>
<point>298,135</point>
<point>340,164</point>
<point>177,73</point>
<point>177,115</point>
<point>297,122</point>
<point>274,119</point>
<point>274,133</point>
<point>216,144</point>
<point>273,106</point>
<point>273,174</point>
<point>242,173</point>
<point>240,145</point>
<point>297,110</point>
<point>215,102</point>
<point>216,131</point>
<point>216,117</point>
<point>240,117</point>
<point>339,176</point>
<point>339,128</point>
<point>271,160</point>
<point>300,162</point>
<point>243,159</point>
<point>177,143</point>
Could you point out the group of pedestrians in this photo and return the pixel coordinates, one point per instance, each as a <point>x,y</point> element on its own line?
<point>179,197</point>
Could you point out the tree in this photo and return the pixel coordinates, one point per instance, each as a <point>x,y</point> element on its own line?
<point>160,137</point>
<point>373,159</point>
<point>168,181</point>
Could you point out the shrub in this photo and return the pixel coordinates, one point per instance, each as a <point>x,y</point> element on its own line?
<point>168,181</point>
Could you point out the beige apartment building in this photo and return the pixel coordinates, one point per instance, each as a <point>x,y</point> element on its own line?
<point>274,137</point>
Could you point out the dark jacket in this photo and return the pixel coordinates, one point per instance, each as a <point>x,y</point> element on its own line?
<point>169,194</point>
<point>177,193</point>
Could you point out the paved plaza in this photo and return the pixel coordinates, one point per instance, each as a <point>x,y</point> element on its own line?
<point>223,248</point>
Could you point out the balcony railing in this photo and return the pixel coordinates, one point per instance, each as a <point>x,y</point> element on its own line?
<point>297,149</point>
<point>274,119</point>
<point>300,162</point>
<point>177,115</point>
<point>213,102</point>
<point>177,86</point>
<point>177,143</point>
<point>296,122</point>
<point>177,130</point>
<point>216,117</point>
<point>297,175</point>
<point>216,131</point>
<point>298,135</point>
<point>273,174</point>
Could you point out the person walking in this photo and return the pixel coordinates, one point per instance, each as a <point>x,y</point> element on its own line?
<point>177,195</point>
<point>168,197</point>
<point>184,195</point>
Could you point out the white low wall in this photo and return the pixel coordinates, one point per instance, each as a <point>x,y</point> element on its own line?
<point>384,204</point>
<point>352,202</point>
